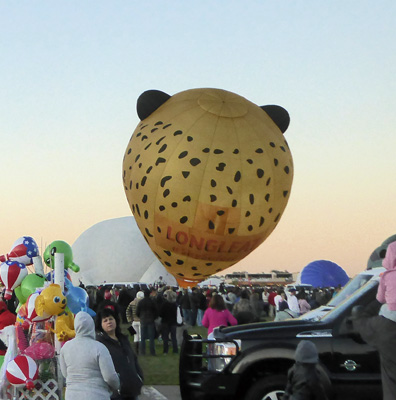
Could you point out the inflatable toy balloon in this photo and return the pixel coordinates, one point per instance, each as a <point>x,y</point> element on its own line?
<point>40,351</point>
<point>323,273</point>
<point>77,299</point>
<point>12,274</point>
<point>28,286</point>
<point>59,246</point>
<point>50,301</point>
<point>23,250</point>
<point>22,371</point>
<point>207,175</point>
<point>31,313</point>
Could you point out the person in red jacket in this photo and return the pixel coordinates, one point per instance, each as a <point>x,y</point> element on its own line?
<point>6,318</point>
<point>271,301</point>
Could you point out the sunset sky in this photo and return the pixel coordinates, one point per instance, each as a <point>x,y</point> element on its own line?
<point>71,73</point>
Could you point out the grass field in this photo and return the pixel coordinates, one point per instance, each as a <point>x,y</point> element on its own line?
<point>162,369</point>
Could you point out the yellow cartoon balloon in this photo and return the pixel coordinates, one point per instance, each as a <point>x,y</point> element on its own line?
<point>207,175</point>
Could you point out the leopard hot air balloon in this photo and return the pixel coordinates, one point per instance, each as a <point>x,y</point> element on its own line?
<point>207,175</point>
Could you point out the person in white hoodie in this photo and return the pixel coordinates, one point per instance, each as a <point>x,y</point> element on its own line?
<point>86,364</point>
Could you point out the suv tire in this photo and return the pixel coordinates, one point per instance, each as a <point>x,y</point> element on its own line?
<point>272,387</point>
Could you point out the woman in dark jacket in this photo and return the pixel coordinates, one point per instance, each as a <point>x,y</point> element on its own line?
<point>124,359</point>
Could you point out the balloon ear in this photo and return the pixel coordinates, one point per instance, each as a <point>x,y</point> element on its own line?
<point>279,115</point>
<point>149,101</point>
<point>39,306</point>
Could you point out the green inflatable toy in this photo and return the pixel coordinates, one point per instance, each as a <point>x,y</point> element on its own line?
<point>59,246</point>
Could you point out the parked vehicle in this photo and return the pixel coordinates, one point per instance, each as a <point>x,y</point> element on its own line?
<point>251,361</point>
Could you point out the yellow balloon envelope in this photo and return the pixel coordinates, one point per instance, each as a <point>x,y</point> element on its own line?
<point>207,175</point>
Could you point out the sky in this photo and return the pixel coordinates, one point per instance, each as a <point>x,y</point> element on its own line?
<point>71,72</point>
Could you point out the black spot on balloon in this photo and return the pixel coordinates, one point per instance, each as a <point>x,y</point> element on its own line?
<point>183,154</point>
<point>180,274</point>
<point>190,138</point>
<point>158,229</point>
<point>144,198</point>
<point>177,133</point>
<point>277,218</point>
<point>146,214</point>
<point>211,225</point>
<point>276,162</point>
<point>185,173</point>
<point>262,220</point>
<point>163,148</point>
<point>250,161</point>
<point>166,192</point>
<point>206,150</point>
<point>272,144</point>
<point>159,161</point>
<point>231,230</point>
<point>229,190</point>
<point>208,264</point>
<point>168,264</point>
<point>137,157</point>
<point>268,181</point>
<point>250,228</point>
<point>213,183</point>
<point>220,212</point>
<point>144,179</point>
<point>195,161</point>
<point>130,185</point>
<point>149,169</point>
<point>174,204</point>
<point>153,130</point>
<point>197,274</point>
<point>259,150</point>
<point>286,169</point>
<point>137,185</point>
<point>160,140</point>
<point>179,262</point>
<point>183,220</point>
<point>138,209</point>
<point>158,123</point>
<point>251,198</point>
<point>236,151</point>
<point>164,180</point>
<point>234,203</point>
<point>166,126</point>
<point>194,268</point>
<point>237,176</point>
<point>267,197</point>
<point>129,151</point>
<point>247,214</point>
<point>147,146</point>
<point>270,210</point>
<point>213,198</point>
<point>221,167</point>
<point>218,151</point>
<point>144,137</point>
<point>283,149</point>
<point>140,165</point>
<point>285,192</point>
<point>167,252</point>
<point>148,232</point>
<point>260,172</point>
<point>133,208</point>
<point>187,198</point>
<point>161,208</point>
<point>138,134</point>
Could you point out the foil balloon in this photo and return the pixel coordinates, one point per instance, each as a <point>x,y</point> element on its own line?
<point>23,250</point>
<point>12,274</point>
<point>77,299</point>
<point>40,351</point>
<point>22,371</point>
<point>31,313</point>
<point>59,246</point>
<point>28,286</point>
<point>207,175</point>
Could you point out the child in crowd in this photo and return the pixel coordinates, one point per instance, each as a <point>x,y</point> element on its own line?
<point>303,381</point>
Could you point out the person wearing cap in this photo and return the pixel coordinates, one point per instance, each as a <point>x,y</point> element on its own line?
<point>303,379</point>
<point>292,301</point>
<point>134,320</point>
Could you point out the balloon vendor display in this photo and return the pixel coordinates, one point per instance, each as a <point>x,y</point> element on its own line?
<point>43,314</point>
<point>207,175</point>
<point>12,274</point>
<point>23,250</point>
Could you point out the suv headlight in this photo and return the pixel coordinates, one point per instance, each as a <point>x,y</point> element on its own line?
<point>226,349</point>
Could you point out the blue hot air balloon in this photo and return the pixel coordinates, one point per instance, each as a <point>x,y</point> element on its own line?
<point>323,273</point>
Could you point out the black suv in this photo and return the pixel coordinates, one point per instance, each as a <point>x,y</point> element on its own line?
<point>251,361</point>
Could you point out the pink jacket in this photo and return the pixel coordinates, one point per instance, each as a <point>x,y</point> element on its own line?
<point>387,287</point>
<point>214,318</point>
